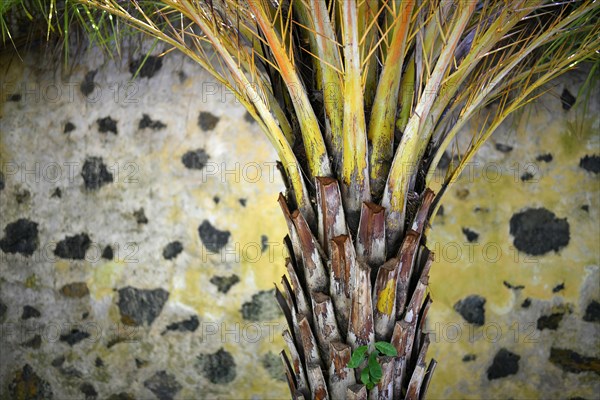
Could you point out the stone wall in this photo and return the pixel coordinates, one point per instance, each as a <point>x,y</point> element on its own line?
<point>140,239</point>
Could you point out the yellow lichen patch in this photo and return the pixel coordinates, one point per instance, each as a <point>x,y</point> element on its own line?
<point>385,302</point>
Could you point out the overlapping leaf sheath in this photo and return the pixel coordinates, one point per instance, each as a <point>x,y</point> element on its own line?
<point>344,290</point>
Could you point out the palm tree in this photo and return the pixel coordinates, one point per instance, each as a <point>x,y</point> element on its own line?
<point>360,99</point>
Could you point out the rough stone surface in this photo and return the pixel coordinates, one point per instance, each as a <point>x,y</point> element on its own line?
<point>262,307</point>
<point>505,363</point>
<point>218,367</point>
<point>538,231</point>
<point>139,306</point>
<point>472,309</point>
<point>272,363</point>
<point>163,385</point>
<point>20,237</point>
<point>73,247</point>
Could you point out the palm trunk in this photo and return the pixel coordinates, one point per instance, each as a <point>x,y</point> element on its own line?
<point>345,290</point>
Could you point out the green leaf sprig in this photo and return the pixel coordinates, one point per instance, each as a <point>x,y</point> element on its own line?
<point>372,374</point>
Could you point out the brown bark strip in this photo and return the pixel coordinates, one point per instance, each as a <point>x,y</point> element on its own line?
<point>360,329</point>
<point>296,362</point>
<point>412,313</point>
<point>300,300</point>
<point>407,255</point>
<point>340,376</point>
<point>384,299</point>
<point>423,213</point>
<point>370,239</point>
<point>293,234</point>
<point>416,381</point>
<point>356,392</point>
<point>330,212</point>
<point>316,380</point>
<point>289,372</point>
<point>325,323</point>
<point>343,265</point>
<point>399,376</point>
<point>314,270</point>
<point>385,387</point>
<point>427,380</point>
<point>285,304</point>
<point>309,343</point>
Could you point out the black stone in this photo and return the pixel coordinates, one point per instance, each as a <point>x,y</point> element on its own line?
<point>585,208</point>
<point>550,322</point>
<point>107,124</point>
<point>264,243</point>
<point>107,253</point>
<point>20,237</point>
<point>95,174</point>
<point>22,196</point>
<point>242,202</point>
<point>570,361</point>
<point>74,337</point>
<point>188,325</point>
<point>527,176</point>
<point>139,306</point>
<point>592,312</point>
<point>27,385</point>
<point>469,357</point>
<point>98,362</point>
<point>567,99</point>
<point>2,182</point>
<point>212,238</point>
<point>33,343</point>
<point>558,288</point>
<point>511,286</point>
<point>441,211</point>
<point>147,122</point>
<point>30,312</point>
<point>526,303</point>
<point>89,391</point>
<point>216,199</point>
<point>69,126</point>
<point>140,363</point>
<point>140,216</point>
<point>15,97</point>
<point>147,66</point>
<point>505,363</point>
<point>3,311</point>
<point>218,368</point>
<point>479,209</point>
<point>538,231</point>
<point>121,396</point>
<point>172,250</point>
<point>73,247</point>
<point>263,306</point>
<point>472,309</point>
<point>445,161</point>
<point>195,159</point>
<point>272,363</point>
<point>57,193</point>
<point>503,148</point>
<point>88,85</point>
<point>71,372</point>
<point>163,385</point>
<point>207,121</point>
<point>590,163</point>
<point>471,235</point>
<point>545,157</point>
<point>224,283</point>
<point>248,117</point>
<point>58,362</point>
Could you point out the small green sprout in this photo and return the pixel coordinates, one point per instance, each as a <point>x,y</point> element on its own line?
<point>372,374</point>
